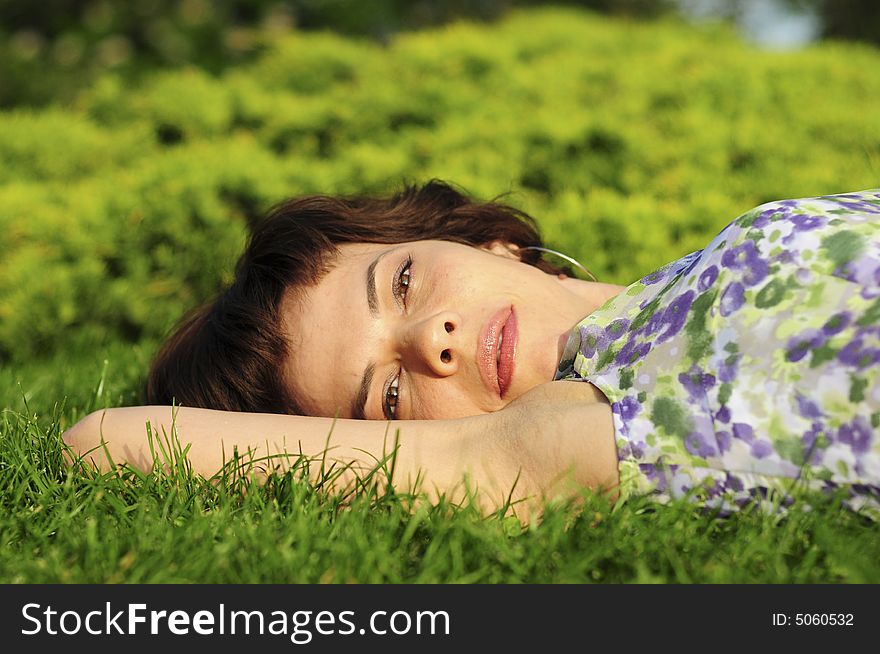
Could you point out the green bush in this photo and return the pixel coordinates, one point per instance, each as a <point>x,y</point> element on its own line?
<point>53,48</point>
<point>632,143</point>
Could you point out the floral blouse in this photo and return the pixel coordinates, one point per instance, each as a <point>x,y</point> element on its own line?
<point>752,366</point>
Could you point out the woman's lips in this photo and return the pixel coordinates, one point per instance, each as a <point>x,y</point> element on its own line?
<point>497,365</point>
<point>506,363</point>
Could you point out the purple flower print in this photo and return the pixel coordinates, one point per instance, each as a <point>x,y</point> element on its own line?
<point>850,354</point>
<point>769,215</point>
<point>676,315</point>
<point>732,298</point>
<point>756,273</point>
<point>723,414</point>
<point>807,408</point>
<point>739,256</point>
<point>864,270</point>
<point>727,369</point>
<point>627,408</point>
<point>707,278</point>
<point>804,276</point>
<point>837,323</point>
<point>733,482</point>
<point>715,490</point>
<point>861,206</point>
<point>811,450</point>
<point>764,219</point>
<point>616,329</point>
<point>870,356</point>
<point>784,257</point>
<point>632,352</point>
<point>799,345</point>
<point>654,277</point>
<point>653,325</point>
<point>637,449</point>
<point>857,355</point>
<point>746,257</point>
<point>690,262</point>
<point>657,476</point>
<point>723,440</point>
<point>593,339</point>
<point>696,444</point>
<point>857,434</point>
<point>630,450</point>
<point>806,223</point>
<point>743,432</point>
<point>696,382</point>
<point>865,489</point>
<point>760,449</point>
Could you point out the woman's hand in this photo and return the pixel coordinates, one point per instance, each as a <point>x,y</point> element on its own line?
<point>563,434</point>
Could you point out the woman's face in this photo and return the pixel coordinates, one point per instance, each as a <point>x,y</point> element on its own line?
<point>428,330</point>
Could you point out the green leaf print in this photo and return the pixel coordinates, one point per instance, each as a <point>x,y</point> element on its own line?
<point>635,289</point>
<point>822,354</point>
<point>669,415</point>
<point>857,389</point>
<point>724,393</point>
<point>843,247</point>
<point>771,295</point>
<point>871,316</point>
<point>606,357</point>
<point>748,218</point>
<point>645,314</point>
<point>791,449</point>
<point>699,337</point>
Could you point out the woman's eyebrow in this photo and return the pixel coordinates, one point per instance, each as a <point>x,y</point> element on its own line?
<point>360,401</point>
<point>372,297</point>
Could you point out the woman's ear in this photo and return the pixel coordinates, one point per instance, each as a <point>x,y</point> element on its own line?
<point>502,249</point>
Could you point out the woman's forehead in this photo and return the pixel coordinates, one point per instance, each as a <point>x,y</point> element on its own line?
<point>326,326</point>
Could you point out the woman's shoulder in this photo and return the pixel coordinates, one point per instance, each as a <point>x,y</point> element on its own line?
<point>751,265</point>
<point>830,235</point>
<point>807,239</point>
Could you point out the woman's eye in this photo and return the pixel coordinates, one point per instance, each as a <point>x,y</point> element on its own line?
<point>391,398</point>
<point>400,288</point>
<point>402,280</point>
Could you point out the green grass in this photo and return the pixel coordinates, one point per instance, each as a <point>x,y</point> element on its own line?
<point>59,524</point>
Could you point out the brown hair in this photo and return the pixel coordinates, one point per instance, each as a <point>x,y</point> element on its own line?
<point>230,353</point>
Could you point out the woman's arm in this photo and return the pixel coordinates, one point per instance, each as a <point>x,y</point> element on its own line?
<point>548,442</point>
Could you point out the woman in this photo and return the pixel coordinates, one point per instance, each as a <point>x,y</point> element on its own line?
<point>744,368</point>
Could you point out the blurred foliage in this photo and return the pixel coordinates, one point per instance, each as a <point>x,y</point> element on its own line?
<point>849,19</point>
<point>632,143</point>
<point>51,49</point>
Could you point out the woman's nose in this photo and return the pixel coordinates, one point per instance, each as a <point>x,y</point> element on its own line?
<point>434,341</point>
